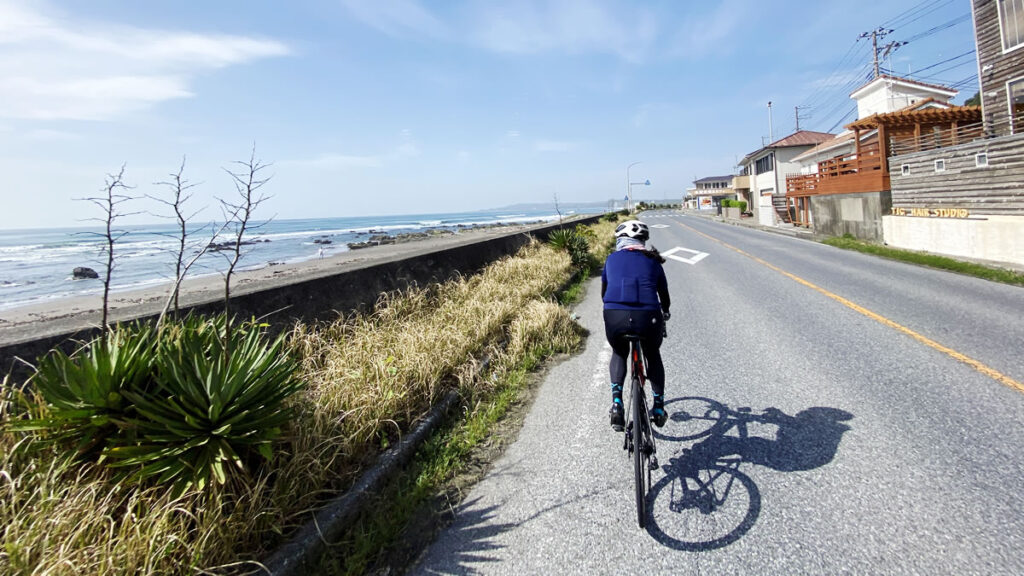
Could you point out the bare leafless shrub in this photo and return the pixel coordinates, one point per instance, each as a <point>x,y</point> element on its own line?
<point>112,198</point>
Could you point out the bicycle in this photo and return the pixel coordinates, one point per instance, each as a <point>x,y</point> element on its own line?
<point>639,437</point>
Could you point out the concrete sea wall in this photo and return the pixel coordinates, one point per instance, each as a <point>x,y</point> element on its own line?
<point>321,298</point>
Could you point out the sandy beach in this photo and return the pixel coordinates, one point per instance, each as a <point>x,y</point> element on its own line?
<point>68,314</point>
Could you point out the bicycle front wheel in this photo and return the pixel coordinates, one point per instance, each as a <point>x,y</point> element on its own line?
<point>640,454</point>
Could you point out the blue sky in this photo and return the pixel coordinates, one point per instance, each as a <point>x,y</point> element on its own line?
<point>368,107</point>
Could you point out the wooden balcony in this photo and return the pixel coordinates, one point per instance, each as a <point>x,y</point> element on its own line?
<point>842,175</point>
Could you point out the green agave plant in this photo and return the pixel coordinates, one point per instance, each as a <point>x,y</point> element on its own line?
<point>84,394</point>
<point>561,238</point>
<point>575,243</point>
<point>209,412</point>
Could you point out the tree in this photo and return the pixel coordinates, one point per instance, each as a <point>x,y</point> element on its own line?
<point>238,215</point>
<point>109,202</point>
<point>974,100</point>
<point>179,194</point>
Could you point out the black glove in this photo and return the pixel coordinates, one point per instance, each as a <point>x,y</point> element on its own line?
<point>665,314</point>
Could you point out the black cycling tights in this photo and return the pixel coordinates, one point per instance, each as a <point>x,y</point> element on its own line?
<point>646,323</point>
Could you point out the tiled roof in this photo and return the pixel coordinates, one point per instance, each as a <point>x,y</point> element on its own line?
<point>802,138</point>
<point>713,179</point>
<point>826,145</point>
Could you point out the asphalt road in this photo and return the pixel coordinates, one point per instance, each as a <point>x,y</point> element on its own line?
<point>830,413</point>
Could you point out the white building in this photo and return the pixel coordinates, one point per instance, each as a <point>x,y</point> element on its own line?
<point>767,168</point>
<point>888,93</point>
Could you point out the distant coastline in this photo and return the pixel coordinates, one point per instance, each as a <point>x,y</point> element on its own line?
<point>36,266</point>
<point>66,313</point>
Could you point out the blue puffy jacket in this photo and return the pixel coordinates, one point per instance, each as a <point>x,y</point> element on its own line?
<point>634,280</point>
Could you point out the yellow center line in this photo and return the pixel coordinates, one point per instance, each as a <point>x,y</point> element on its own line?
<point>994,374</point>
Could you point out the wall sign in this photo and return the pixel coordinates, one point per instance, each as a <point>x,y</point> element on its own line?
<point>932,212</point>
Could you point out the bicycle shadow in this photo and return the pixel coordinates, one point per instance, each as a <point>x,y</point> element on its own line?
<point>711,503</point>
<point>474,537</point>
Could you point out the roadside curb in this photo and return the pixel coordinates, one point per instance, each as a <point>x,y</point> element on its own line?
<point>792,232</point>
<point>301,554</point>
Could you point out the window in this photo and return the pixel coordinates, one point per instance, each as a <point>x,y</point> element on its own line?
<point>766,164</point>
<point>905,170</point>
<point>940,165</point>
<point>1015,94</point>
<point>1011,23</point>
<point>981,159</point>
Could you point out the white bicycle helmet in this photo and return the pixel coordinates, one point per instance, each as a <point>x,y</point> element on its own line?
<point>633,229</point>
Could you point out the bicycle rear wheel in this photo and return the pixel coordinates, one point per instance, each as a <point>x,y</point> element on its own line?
<point>640,454</point>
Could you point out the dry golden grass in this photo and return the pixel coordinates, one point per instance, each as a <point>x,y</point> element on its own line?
<point>370,378</point>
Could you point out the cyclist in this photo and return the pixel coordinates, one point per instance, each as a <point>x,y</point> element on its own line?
<point>636,301</point>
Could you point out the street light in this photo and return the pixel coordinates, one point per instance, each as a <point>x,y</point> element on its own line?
<point>629,188</point>
<point>631,184</point>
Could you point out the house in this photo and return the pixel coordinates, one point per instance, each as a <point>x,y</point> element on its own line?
<point>708,192</point>
<point>960,191</point>
<point>765,170</point>
<point>844,184</point>
<point>885,93</point>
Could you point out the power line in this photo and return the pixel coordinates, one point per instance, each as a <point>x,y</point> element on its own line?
<point>843,119</point>
<point>892,21</point>
<point>838,90</point>
<point>831,97</point>
<point>842,100</point>
<point>968,53</point>
<point>958,20</point>
<point>921,13</point>
<point>831,79</point>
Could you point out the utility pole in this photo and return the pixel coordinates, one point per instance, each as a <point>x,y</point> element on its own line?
<point>797,116</point>
<point>875,35</point>
<point>771,129</point>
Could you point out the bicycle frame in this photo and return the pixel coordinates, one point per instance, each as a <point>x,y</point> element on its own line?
<point>639,437</point>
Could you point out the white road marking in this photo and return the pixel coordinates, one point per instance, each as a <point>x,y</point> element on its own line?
<point>600,377</point>
<point>659,225</point>
<point>697,255</point>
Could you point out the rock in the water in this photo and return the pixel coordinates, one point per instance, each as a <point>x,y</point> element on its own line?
<point>82,272</point>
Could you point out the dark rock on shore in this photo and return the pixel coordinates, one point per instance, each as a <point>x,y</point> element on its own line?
<point>383,239</point>
<point>230,244</point>
<point>322,241</point>
<point>83,272</point>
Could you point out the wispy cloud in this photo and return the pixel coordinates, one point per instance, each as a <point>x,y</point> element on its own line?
<point>525,27</point>
<point>704,34</point>
<point>571,26</point>
<point>554,146</point>
<point>53,67</point>
<point>52,135</point>
<point>398,18</point>
<point>330,161</point>
<point>407,146</point>
<point>654,112</point>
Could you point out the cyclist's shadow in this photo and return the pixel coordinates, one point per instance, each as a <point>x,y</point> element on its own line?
<point>706,501</point>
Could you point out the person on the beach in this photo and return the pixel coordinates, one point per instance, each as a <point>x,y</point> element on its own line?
<point>320,252</point>
<point>636,301</point>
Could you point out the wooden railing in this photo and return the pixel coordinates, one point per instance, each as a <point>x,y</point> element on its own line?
<point>938,138</point>
<point>997,124</point>
<point>842,175</point>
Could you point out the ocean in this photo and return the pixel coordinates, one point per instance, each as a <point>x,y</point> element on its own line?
<point>36,265</point>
